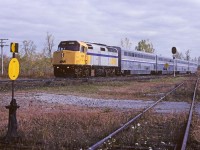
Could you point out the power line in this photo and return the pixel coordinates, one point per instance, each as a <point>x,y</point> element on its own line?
<point>2,45</point>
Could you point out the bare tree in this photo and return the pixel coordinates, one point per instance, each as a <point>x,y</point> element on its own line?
<point>179,55</point>
<point>28,48</point>
<point>27,56</point>
<point>125,43</point>
<point>187,55</point>
<point>145,46</point>
<point>49,44</point>
<point>195,59</point>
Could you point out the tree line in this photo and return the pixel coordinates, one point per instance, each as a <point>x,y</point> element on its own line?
<point>143,45</point>
<point>32,63</point>
<point>39,64</point>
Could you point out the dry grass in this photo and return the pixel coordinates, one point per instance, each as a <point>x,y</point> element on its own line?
<point>119,89</point>
<point>73,128</point>
<point>184,93</point>
<point>66,129</point>
<point>194,141</point>
<point>53,126</point>
<point>152,130</point>
<point>194,137</point>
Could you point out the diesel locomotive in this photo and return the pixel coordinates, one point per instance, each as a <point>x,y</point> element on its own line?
<point>83,59</point>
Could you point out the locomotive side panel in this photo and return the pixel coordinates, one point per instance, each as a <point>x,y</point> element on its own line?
<point>104,60</point>
<point>78,59</point>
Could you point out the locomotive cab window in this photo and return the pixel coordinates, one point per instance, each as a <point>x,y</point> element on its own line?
<point>112,50</point>
<point>69,45</point>
<point>83,49</point>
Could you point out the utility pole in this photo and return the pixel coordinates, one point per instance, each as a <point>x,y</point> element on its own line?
<point>2,45</point>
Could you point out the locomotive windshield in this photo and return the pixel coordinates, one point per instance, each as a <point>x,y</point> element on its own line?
<point>69,45</point>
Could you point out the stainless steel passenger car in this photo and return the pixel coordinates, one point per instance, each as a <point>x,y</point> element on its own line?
<point>134,62</point>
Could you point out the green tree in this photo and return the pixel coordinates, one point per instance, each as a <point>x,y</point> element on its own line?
<point>125,43</point>
<point>145,46</point>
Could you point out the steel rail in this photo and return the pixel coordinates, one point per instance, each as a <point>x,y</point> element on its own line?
<point>32,83</point>
<point>95,146</point>
<point>184,144</point>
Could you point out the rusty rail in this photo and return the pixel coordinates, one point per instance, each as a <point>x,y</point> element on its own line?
<point>184,144</point>
<point>95,146</point>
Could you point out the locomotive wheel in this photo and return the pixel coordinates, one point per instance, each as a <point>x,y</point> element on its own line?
<point>107,72</point>
<point>87,72</point>
<point>113,72</point>
<point>78,72</point>
<point>57,73</point>
<point>110,72</point>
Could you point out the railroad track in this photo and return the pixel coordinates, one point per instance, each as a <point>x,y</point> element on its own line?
<point>110,143</point>
<point>186,134</point>
<point>5,85</point>
<point>171,140</point>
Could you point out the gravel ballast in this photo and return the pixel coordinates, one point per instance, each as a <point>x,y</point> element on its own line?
<point>24,100</point>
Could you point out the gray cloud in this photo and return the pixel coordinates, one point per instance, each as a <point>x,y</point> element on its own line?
<point>165,23</point>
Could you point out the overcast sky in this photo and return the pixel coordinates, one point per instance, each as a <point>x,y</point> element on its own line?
<point>166,23</point>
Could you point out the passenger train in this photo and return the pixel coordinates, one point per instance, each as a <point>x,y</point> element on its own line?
<point>83,59</point>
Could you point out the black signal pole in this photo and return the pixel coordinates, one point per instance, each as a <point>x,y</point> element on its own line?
<point>174,52</point>
<point>12,135</point>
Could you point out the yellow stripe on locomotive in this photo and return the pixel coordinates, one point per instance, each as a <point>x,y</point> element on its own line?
<point>113,61</point>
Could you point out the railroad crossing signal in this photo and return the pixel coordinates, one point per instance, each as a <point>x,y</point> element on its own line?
<point>14,47</point>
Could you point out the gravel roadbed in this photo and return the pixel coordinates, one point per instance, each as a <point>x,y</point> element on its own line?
<point>25,99</point>
<point>164,107</point>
